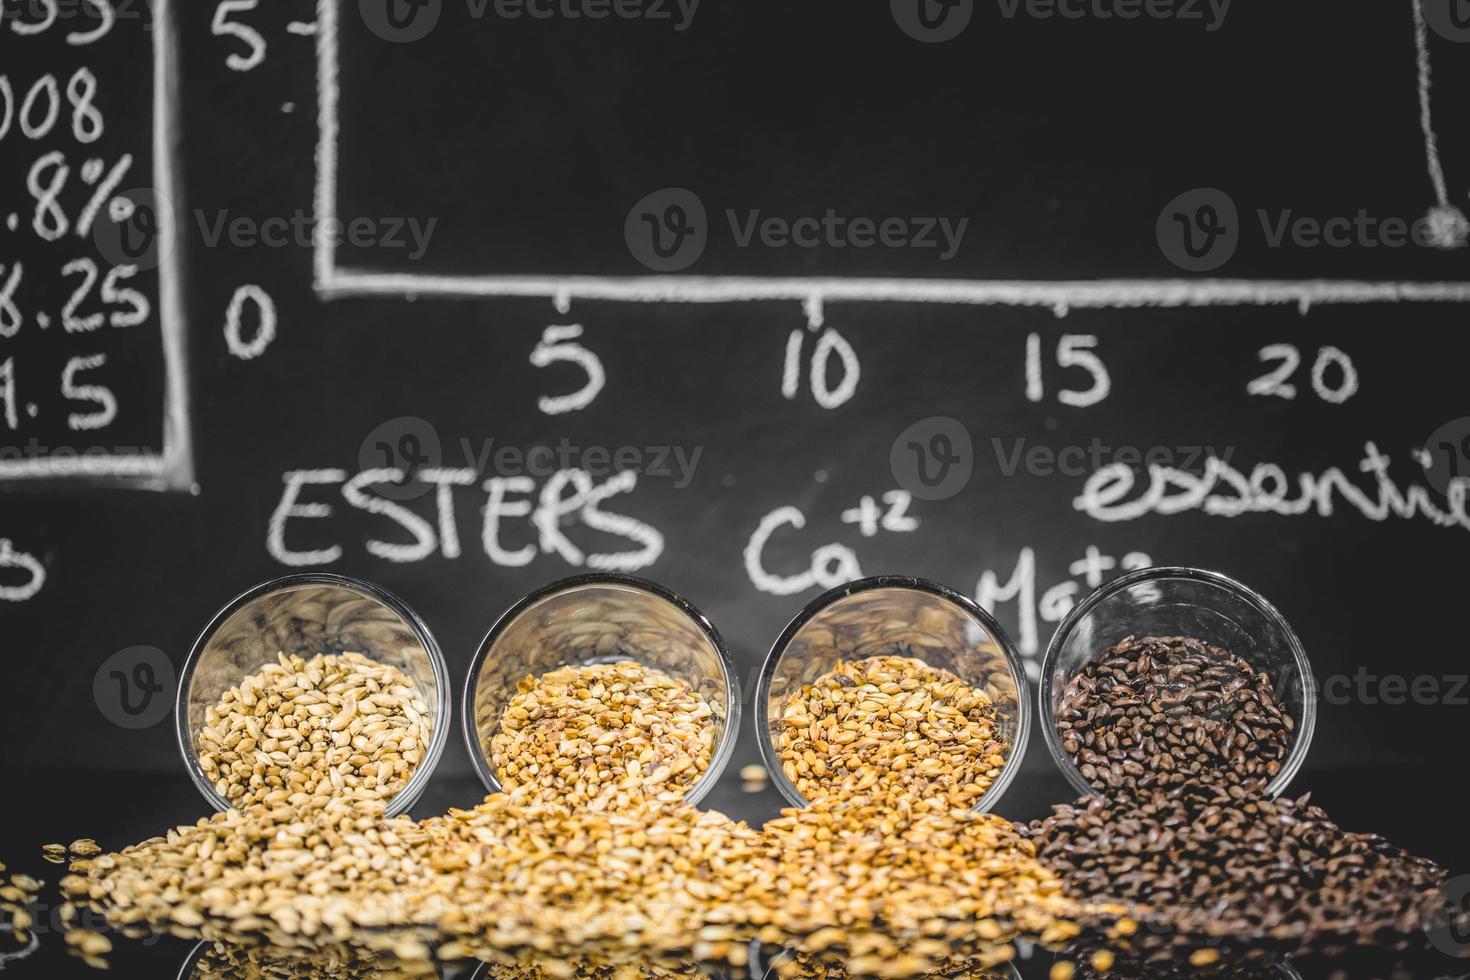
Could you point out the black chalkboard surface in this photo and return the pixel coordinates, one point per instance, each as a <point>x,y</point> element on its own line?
<point>748,299</point>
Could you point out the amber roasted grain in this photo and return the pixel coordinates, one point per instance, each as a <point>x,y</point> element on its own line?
<point>890,728</point>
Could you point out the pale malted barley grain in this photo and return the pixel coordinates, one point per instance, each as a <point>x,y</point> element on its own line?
<point>300,731</point>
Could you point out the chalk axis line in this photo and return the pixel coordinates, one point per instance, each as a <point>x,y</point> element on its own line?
<point>333,281</point>
<point>173,468</point>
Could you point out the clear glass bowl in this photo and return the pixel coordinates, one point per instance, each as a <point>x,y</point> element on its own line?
<point>599,619</point>
<point>305,615</point>
<point>896,615</point>
<point>1181,602</point>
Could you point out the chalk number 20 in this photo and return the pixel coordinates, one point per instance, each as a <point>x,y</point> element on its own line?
<point>1274,383</point>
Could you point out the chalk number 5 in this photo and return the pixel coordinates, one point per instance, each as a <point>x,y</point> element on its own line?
<point>556,346</point>
<point>223,26</point>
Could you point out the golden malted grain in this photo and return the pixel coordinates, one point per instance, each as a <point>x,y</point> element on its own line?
<point>890,728</point>
<point>591,854</point>
<point>301,731</point>
<point>604,735</point>
<point>901,889</point>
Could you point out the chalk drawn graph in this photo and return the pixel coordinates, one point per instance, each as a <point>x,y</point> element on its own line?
<point>333,280</point>
<point>173,467</point>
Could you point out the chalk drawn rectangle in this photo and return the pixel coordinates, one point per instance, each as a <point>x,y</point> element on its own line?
<point>172,469</point>
<point>613,275</point>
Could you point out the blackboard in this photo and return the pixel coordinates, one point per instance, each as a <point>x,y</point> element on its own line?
<point>800,293</point>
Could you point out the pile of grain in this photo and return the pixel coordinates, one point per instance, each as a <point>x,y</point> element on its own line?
<point>1225,868</point>
<point>604,736</point>
<point>808,966</point>
<point>1158,711</point>
<point>308,752</point>
<point>1095,963</point>
<point>656,877</point>
<point>1184,737</point>
<point>17,935</point>
<point>221,961</point>
<point>292,878</point>
<point>890,729</point>
<point>590,969</point>
<point>895,891</point>
<point>592,850</point>
<point>301,732</point>
<point>599,849</point>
